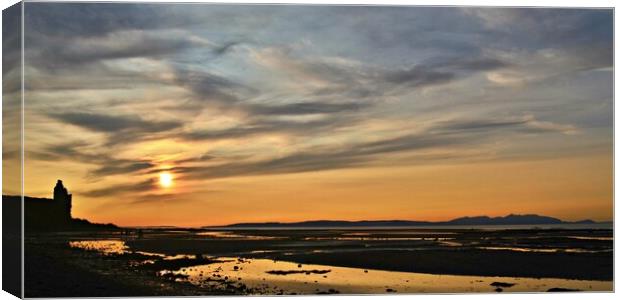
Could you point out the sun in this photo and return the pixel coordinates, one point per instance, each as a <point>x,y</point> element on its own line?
<point>165,179</point>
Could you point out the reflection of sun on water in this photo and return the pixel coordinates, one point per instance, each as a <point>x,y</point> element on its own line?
<point>165,179</point>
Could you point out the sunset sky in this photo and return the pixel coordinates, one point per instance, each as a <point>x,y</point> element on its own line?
<point>288,113</point>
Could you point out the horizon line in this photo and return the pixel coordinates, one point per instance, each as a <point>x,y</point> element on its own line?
<point>376,220</point>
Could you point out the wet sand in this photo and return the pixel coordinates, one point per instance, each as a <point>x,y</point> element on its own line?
<point>264,276</point>
<point>470,262</point>
<point>216,262</point>
<point>568,254</point>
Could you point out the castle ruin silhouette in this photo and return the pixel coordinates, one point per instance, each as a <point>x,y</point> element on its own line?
<point>43,213</point>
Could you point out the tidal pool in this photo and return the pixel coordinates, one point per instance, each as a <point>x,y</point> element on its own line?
<point>106,247</point>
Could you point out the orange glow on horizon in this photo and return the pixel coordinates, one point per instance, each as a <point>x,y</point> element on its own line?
<point>571,189</point>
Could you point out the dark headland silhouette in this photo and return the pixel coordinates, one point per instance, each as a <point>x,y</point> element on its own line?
<point>512,219</point>
<point>43,214</point>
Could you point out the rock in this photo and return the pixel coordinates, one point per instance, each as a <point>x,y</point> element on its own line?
<point>502,284</point>
<point>562,290</point>
<point>287,272</point>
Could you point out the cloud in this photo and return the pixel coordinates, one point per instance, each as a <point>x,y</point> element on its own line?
<point>418,77</point>
<point>536,126</point>
<point>63,37</point>
<point>225,48</point>
<point>111,123</point>
<point>382,83</point>
<point>527,124</point>
<point>479,125</point>
<point>176,197</point>
<point>11,43</point>
<point>470,64</point>
<point>546,26</point>
<point>99,19</point>
<point>231,133</point>
<point>121,167</point>
<point>198,159</point>
<point>119,189</point>
<point>210,87</point>
<point>441,70</point>
<point>355,90</point>
<point>118,45</point>
<point>584,35</point>
<point>106,164</point>
<point>66,151</point>
<point>118,128</point>
<point>306,108</point>
<point>259,126</point>
<point>342,78</point>
<point>321,160</point>
<point>450,135</point>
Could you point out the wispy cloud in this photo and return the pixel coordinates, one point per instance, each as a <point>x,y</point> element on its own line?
<point>118,189</point>
<point>110,124</point>
<point>367,86</point>
<point>119,129</point>
<point>453,135</point>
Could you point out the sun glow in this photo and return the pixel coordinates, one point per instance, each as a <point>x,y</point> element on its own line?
<point>165,179</point>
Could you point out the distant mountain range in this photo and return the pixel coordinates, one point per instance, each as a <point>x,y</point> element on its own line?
<point>511,219</point>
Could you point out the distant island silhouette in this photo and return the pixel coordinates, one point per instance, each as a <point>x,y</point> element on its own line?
<point>512,219</point>
<point>44,214</point>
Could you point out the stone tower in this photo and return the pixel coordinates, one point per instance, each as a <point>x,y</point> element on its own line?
<point>62,199</point>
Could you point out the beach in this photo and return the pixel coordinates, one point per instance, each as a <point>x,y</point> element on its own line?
<point>151,262</point>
